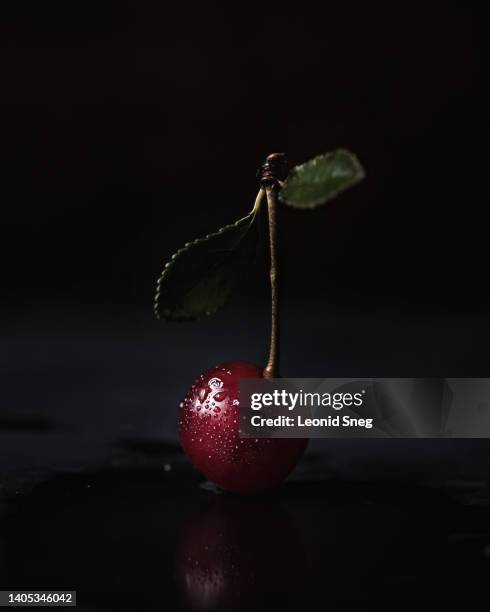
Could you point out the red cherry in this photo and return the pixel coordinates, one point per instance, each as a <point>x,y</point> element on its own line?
<point>209,432</point>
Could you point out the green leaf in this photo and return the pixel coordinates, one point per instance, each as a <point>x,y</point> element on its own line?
<point>321,179</point>
<point>200,277</point>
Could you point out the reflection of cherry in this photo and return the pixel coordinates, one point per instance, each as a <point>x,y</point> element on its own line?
<point>239,553</point>
<point>209,430</point>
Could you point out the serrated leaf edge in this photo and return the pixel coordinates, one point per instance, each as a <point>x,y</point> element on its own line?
<point>251,215</point>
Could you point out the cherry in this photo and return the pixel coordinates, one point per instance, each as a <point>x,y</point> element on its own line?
<point>209,432</point>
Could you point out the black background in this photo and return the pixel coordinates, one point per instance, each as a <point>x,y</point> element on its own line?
<point>129,128</point>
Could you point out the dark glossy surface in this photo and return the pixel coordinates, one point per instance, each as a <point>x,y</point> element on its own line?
<point>151,538</point>
<point>97,496</point>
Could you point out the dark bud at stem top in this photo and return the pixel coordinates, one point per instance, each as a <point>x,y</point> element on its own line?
<point>272,170</point>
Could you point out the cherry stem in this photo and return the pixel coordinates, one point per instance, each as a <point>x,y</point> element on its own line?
<point>271,369</point>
